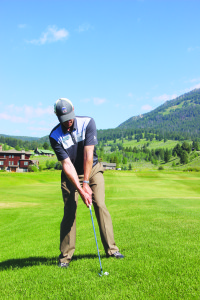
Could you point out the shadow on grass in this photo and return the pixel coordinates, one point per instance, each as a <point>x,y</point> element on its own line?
<point>19,263</point>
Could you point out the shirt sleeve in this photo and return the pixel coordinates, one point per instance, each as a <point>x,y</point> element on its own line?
<point>91,134</point>
<point>58,149</point>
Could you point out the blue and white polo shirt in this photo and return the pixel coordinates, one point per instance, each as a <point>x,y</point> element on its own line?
<point>71,144</point>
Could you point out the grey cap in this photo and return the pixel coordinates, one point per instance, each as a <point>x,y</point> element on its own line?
<point>64,110</point>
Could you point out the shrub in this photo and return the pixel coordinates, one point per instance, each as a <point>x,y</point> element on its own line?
<point>32,168</point>
<point>40,168</point>
<point>160,168</point>
<point>173,164</point>
<point>58,165</point>
<point>50,164</point>
<point>191,169</point>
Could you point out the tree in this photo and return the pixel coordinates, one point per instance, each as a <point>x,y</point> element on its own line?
<point>46,146</point>
<point>166,155</point>
<point>195,145</point>
<point>186,146</point>
<point>17,148</point>
<point>184,157</point>
<point>177,150</point>
<point>124,161</point>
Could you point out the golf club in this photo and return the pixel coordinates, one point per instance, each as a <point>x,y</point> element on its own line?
<point>101,270</point>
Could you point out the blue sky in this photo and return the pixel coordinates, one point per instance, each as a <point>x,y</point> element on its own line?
<point>112,59</point>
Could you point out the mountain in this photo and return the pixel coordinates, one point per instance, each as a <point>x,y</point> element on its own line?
<point>23,138</point>
<point>178,118</point>
<point>181,115</point>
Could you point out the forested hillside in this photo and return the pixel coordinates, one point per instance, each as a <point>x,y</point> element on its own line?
<point>19,144</point>
<point>177,119</point>
<point>180,116</point>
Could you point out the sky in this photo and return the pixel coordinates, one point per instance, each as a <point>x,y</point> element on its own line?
<point>113,59</point>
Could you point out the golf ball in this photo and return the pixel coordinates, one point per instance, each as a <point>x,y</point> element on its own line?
<point>106,273</point>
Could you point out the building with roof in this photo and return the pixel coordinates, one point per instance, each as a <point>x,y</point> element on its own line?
<point>44,152</point>
<point>15,161</point>
<point>109,166</point>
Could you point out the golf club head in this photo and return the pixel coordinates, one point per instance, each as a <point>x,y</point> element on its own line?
<point>101,274</point>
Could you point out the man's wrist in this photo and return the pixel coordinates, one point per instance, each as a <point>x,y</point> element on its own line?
<point>86,181</point>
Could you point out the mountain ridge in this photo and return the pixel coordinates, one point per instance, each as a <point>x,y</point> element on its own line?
<point>180,114</point>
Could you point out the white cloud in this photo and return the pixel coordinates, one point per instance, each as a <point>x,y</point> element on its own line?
<point>51,35</point>
<point>99,101</point>
<point>146,107</point>
<point>164,98</point>
<point>191,49</point>
<point>193,80</point>
<point>84,27</point>
<point>38,129</point>
<point>24,114</point>
<point>130,95</point>
<point>43,111</point>
<point>13,119</point>
<point>22,26</point>
<point>197,86</point>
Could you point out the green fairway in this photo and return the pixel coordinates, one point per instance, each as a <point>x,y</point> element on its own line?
<point>156,220</point>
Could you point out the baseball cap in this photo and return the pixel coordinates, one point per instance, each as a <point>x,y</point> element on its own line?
<point>64,110</point>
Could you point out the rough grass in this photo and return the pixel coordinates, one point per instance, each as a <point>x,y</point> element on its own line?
<point>156,219</point>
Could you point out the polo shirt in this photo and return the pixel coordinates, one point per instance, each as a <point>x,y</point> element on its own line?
<point>71,143</point>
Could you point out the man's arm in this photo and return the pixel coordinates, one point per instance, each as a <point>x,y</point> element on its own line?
<point>72,175</point>
<point>87,166</point>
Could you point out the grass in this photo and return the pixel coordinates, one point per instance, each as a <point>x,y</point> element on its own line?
<point>43,159</point>
<point>156,220</point>
<point>154,144</point>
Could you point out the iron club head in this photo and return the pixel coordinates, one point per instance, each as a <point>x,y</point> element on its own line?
<point>105,273</point>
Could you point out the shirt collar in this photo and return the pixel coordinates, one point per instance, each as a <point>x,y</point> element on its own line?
<point>74,127</point>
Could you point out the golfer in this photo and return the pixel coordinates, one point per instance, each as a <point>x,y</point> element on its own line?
<point>73,141</point>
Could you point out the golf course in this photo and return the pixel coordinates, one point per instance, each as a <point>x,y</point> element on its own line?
<point>156,220</point>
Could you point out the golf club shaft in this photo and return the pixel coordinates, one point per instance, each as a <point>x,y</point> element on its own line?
<point>95,238</point>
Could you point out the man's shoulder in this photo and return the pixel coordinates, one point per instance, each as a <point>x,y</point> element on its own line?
<point>84,121</point>
<point>83,118</point>
<point>57,128</point>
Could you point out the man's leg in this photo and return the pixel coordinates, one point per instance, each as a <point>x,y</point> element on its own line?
<point>68,224</point>
<point>102,214</point>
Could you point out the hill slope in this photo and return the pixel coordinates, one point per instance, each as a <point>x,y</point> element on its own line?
<point>180,115</point>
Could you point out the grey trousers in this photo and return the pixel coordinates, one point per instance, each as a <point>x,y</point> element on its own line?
<point>68,224</point>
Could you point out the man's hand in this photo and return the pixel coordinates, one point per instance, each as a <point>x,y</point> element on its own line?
<point>87,166</point>
<point>70,172</point>
<point>87,188</point>
<point>86,197</point>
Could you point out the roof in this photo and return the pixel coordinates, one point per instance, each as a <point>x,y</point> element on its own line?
<point>109,164</point>
<point>13,151</point>
<point>44,151</point>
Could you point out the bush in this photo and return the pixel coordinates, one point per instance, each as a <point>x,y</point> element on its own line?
<point>58,166</point>
<point>32,168</point>
<point>40,168</point>
<point>160,168</point>
<point>191,169</point>
<point>50,164</point>
<point>173,164</point>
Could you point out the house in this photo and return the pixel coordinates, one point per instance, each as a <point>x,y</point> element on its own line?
<point>109,166</point>
<point>44,152</point>
<point>15,161</point>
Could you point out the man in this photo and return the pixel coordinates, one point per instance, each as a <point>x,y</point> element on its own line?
<point>73,141</point>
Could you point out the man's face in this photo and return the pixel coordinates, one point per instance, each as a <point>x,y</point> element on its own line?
<point>68,124</point>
